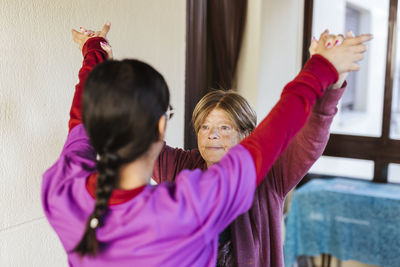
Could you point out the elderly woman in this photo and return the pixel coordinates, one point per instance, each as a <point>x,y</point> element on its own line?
<point>221,120</point>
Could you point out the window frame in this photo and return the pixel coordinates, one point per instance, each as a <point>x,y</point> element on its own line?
<point>382,150</point>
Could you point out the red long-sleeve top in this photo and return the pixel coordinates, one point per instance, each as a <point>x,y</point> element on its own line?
<point>283,122</point>
<point>290,114</point>
<point>266,143</point>
<point>256,235</point>
<point>93,54</point>
<point>281,125</point>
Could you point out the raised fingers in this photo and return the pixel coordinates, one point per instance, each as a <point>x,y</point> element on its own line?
<point>358,57</point>
<point>313,46</point>
<point>358,39</point>
<point>354,67</point>
<point>338,40</point>
<point>80,37</point>
<point>105,29</point>
<point>329,40</point>
<point>106,47</point>
<point>89,33</point>
<point>323,35</point>
<point>76,35</point>
<point>349,34</point>
<point>361,48</point>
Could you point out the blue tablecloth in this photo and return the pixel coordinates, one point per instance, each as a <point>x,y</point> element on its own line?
<point>348,219</point>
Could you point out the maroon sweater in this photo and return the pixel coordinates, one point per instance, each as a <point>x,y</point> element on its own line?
<point>256,234</point>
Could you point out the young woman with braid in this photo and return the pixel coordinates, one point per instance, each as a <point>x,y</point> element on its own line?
<point>103,208</point>
<point>221,120</point>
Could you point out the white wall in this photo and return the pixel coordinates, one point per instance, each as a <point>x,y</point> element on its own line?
<point>271,51</point>
<point>38,72</point>
<point>281,49</point>
<point>247,71</point>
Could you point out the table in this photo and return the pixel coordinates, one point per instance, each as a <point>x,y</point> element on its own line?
<point>349,219</point>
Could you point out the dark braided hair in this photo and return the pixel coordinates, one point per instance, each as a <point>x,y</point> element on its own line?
<point>122,100</point>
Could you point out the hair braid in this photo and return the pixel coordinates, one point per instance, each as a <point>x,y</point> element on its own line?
<point>120,97</point>
<point>108,173</point>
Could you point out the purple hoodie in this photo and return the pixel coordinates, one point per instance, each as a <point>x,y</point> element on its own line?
<point>175,224</point>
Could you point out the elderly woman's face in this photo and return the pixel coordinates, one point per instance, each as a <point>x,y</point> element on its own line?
<point>216,135</point>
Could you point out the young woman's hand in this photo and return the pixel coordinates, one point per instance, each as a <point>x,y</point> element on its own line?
<point>330,41</point>
<point>343,75</point>
<point>336,41</point>
<point>80,37</point>
<point>343,56</point>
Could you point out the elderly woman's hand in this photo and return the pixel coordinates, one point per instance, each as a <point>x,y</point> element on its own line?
<point>331,40</point>
<point>342,76</point>
<point>343,57</point>
<point>354,49</point>
<point>80,37</point>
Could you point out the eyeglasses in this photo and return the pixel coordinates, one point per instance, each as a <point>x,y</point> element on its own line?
<point>170,112</point>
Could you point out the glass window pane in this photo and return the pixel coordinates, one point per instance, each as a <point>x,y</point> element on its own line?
<point>395,117</point>
<point>360,110</point>
<point>355,168</point>
<point>394,173</point>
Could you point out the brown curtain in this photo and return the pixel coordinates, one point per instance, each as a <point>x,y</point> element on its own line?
<point>214,34</point>
<point>226,20</point>
<point>196,63</point>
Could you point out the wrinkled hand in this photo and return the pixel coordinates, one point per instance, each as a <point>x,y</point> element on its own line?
<point>342,76</point>
<point>344,56</point>
<point>330,41</point>
<point>83,35</point>
<point>336,41</point>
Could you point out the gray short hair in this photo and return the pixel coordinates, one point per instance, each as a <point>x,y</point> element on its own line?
<point>235,105</point>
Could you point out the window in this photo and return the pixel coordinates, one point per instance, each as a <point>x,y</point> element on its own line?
<point>395,118</point>
<point>394,173</point>
<point>354,97</point>
<point>365,137</point>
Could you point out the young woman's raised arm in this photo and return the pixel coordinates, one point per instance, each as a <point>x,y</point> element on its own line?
<point>284,121</point>
<point>93,54</point>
